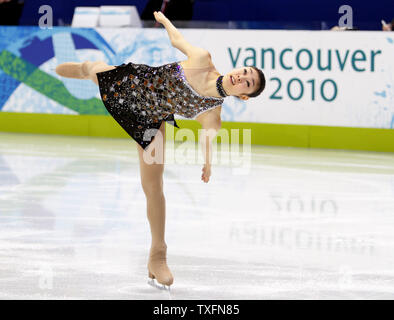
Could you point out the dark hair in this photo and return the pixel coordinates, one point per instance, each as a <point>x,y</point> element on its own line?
<point>261,86</point>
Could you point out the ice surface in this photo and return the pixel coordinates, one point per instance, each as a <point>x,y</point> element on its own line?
<point>298,224</point>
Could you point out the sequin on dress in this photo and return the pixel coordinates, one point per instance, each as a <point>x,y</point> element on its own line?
<point>140,97</point>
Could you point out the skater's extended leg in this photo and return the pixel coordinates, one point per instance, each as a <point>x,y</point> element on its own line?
<point>82,70</point>
<point>91,68</point>
<point>152,184</point>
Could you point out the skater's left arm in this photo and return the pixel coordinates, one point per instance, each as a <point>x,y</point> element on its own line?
<point>177,39</point>
<point>211,124</point>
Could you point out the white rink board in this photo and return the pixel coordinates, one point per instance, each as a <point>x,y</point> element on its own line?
<point>352,89</point>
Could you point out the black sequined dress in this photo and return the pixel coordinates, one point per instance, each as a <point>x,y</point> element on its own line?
<point>140,97</point>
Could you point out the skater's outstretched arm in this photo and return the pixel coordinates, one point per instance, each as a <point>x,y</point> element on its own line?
<point>211,125</point>
<point>177,39</point>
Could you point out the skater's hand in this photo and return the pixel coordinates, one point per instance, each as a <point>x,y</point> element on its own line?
<point>159,16</point>
<point>206,173</point>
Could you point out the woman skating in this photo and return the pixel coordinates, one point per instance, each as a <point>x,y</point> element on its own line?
<point>142,98</point>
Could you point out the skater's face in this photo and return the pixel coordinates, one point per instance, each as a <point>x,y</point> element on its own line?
<point>240,82</point>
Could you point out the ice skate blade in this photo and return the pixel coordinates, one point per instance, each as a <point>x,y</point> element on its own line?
<point>159,286</point>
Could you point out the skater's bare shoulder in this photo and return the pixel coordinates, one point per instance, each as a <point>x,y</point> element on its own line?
<point>196,55</point>
<point>200,58</point>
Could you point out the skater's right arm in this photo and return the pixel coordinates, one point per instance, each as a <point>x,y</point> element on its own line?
<point>211,124</point>
<point>177,39</point>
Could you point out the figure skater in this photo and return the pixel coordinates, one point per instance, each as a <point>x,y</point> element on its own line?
<point>142,98</point>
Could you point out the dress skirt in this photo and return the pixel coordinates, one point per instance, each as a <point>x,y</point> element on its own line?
<point>124,100</point>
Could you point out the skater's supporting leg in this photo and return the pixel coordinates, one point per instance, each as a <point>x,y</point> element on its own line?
<point>152,184</point>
